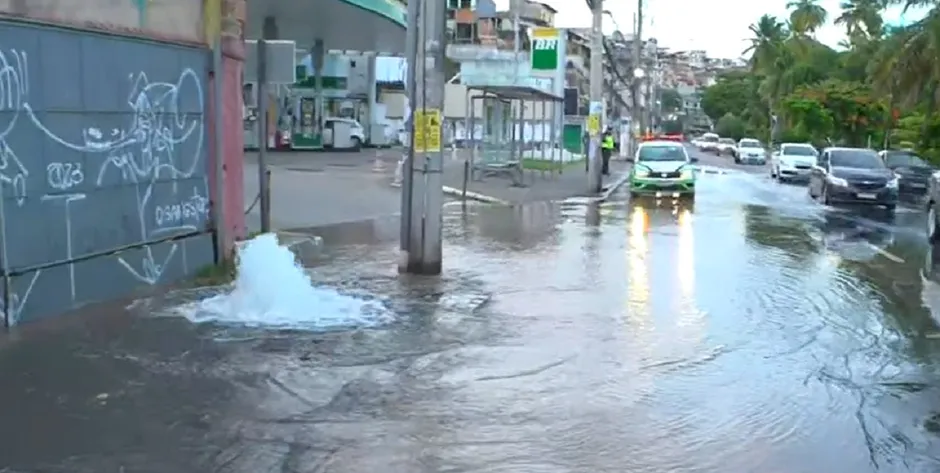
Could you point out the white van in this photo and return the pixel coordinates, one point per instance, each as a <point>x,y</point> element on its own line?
<point>343,133</point>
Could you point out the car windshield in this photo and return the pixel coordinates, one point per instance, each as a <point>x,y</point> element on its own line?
<point>904,158</point>
<point>661,153</point>
<point>750,144</point>
<point>710,139</point>
<point>855,158</point>
<point>726,141</point>
<point>798,151</point>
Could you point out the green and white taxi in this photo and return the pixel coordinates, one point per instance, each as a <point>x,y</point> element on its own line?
<point>662,169</point>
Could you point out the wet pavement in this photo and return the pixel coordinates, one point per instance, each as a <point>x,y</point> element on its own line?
<point>753,331</point>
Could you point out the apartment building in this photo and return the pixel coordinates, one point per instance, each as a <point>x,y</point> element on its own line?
<point>479,22</point>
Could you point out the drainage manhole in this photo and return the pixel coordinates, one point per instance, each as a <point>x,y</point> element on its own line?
<point>342,165</point>
<point>305,169</point>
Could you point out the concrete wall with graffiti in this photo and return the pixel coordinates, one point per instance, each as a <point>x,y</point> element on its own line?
<point>179,20</point>
<point>103,167</point>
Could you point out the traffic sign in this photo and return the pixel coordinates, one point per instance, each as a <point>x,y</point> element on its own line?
<point>544,57</point>
<point>594,124</point>
<point>427,122</point>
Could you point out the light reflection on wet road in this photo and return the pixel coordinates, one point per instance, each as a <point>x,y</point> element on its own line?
<point>751,332</point>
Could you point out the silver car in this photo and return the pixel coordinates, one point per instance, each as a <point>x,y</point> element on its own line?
<point>793,162</point>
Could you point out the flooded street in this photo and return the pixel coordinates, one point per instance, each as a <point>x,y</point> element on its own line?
<point>754,331</point>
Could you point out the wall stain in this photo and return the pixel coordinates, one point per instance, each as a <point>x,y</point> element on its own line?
<point>141,6</point>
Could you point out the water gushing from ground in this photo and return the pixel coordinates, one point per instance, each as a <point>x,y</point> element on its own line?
<point>272,290</point>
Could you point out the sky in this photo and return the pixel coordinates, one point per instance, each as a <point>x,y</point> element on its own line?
<point>720,27</point>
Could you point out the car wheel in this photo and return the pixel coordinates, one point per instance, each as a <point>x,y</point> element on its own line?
<point>931,222</point>
<point>824,198</point>
<point>773,173</point>
<point>356,144</point>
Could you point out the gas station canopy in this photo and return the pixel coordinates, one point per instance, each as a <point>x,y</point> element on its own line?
<point>360,25</point>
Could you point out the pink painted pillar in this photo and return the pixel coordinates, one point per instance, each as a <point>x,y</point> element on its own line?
<point>233,51</point>
<point>233,147</point>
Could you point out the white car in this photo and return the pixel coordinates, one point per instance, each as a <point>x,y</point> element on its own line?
<point>793,162</point>
<point>750,151</point>
<point>725,146</point>
<point>708,142</point>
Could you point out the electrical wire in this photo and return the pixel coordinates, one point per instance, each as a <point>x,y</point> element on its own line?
<point>613,67</point>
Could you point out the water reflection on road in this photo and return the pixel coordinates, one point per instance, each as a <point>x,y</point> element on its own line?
<point>752,332</point>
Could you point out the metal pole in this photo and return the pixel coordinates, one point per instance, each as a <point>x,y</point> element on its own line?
<point>318,57</point>
<point>597,97</point>
<point>263,136</point>
<point>517,37</point>
<point>637,57</point>
<point>218,76</point>
<point>407,187</point>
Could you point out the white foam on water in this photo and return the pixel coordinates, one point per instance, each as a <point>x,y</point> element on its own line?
<point>272,291</point>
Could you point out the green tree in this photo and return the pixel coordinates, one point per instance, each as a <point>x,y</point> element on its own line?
<point>728,95</point>
<point>882,86</point>
<point>731,126</point>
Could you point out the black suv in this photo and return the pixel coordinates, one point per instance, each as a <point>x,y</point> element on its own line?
<point>913,171</point>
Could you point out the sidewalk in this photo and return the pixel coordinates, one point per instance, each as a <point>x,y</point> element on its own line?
<point>539,186</point>
<point>321,189</point>
<point>315,190</point>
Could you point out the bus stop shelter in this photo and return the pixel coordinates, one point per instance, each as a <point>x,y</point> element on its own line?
<point>503,148</point>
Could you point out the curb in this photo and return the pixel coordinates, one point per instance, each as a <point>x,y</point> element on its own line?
<point>454,192</point>
<point>612,187</point>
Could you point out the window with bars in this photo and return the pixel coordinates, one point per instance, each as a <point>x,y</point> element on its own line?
<point>462,4</point>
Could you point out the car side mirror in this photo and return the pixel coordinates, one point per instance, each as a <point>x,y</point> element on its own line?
<point>693,159</point>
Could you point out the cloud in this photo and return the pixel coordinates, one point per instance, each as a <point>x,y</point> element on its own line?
<point>720,27</point>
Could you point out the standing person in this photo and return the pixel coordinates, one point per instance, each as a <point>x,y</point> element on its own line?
<point>607,148</point>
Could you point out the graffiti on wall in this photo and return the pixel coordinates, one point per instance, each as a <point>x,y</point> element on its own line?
<point>153,155</point>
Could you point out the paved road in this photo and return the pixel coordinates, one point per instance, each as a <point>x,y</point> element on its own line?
<point>752,332</point>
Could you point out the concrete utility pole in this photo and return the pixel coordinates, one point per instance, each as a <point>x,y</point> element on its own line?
<point>638,65</point>
<point>596,118</point>
<point>422,188</point>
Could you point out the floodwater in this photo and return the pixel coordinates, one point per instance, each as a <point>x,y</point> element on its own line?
<point>752,332</point>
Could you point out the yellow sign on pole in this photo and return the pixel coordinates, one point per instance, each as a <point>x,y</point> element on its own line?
<point>427,130</point>
<point>594,124</point>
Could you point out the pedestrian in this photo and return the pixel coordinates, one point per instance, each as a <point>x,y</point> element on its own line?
<point>607,148</point>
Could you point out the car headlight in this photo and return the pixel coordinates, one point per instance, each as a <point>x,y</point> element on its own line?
<point>893,183</point>
<point>641,172</point>
<point>686,175</point>
<point>838,181</point>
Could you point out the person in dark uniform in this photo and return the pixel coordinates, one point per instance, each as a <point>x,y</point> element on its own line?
<point>607,149</point>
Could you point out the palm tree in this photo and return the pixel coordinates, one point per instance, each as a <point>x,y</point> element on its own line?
<point>806,16</point>
<point>768,35</point>
<point>862,19</point>
<point>907,66</point>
